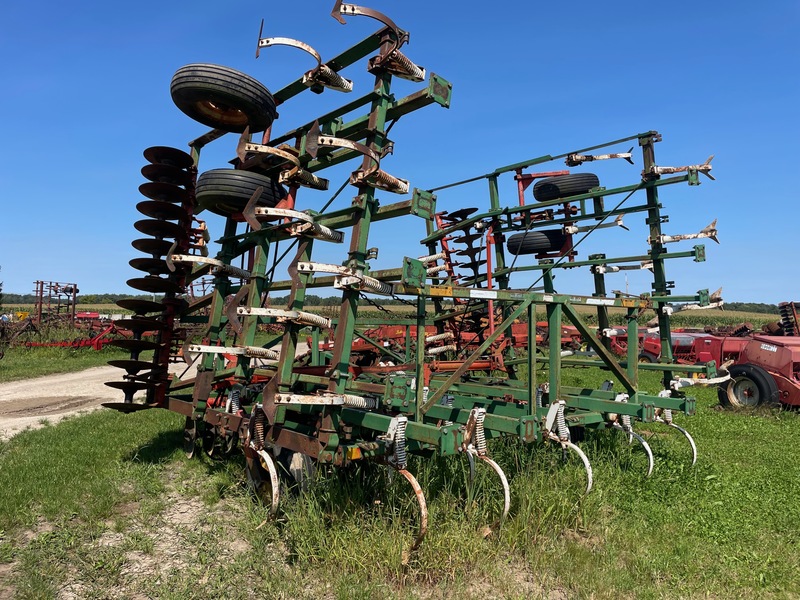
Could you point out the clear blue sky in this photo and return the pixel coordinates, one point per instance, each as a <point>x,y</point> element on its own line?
<point>86,90</point>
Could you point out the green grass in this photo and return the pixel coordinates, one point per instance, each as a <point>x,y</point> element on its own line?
<point>24,363</point>
<point>107,504</point>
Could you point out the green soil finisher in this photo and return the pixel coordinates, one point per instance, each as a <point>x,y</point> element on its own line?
<point>465,361</point>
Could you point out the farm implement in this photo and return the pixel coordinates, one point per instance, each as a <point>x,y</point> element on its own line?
<point>460,366</point>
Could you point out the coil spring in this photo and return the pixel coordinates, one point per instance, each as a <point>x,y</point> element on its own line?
<point>480,434</point>
<point>259,423</point>
<point>312,319</point>
<point>539,394</point>
<point>326,233</point>
<point>440,337</point>
<point>359,402</point>
<point>435,269</point>
<point>627,425</point>
<point>328,76</point>
<point>400,456</point>
<point>561,422</point>
<point>379,287</point>
<point>432,258</point>
<point>390,183</point>
<point>441,349</point>
<point>399,64</point>
<point>232,271</point>
<point>257,352</point>
<point>667,416</point>
<point>235,399</point>
<point>447,400</point>
<point>304,178</point>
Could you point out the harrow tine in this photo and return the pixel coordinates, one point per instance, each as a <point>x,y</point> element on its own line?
<point>567,445</point>
<point>587,465</point>
<point>423,513</point>
<point>471,461</point>
<point>249,212</point>
<point>471,453</point>
<point>666,419</point>
<point>269,465</point>
<point>689,438</point>
<point>631,435</point>
<point>233,316</point>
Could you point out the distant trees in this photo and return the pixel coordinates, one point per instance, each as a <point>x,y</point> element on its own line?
<point>754,307</point>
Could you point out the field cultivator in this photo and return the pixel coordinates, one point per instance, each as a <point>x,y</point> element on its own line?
<point>54,313</point>
<point>462,366</point>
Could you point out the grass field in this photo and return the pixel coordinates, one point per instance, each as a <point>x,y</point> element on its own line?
<point>106,505</point>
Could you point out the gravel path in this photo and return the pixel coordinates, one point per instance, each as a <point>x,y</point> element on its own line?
<point>25,403</point>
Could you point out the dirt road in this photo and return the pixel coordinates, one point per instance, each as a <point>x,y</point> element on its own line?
<point>25,403</point>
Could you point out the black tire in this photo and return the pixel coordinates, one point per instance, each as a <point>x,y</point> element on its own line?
<point>748,386</point>
<point>532,242</point>
<point>646,357</point>
<point>222,98</point>
<point>227,191</point>
<point>564,185</point>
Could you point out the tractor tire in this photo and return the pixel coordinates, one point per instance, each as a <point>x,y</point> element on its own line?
<point>749,386</point>
<point>564,185</point>
<point>227,191</point>
<point>222,98</point>
<point>534,242</point>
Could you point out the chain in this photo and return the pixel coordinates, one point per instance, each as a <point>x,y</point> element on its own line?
<point>374,304</point>
<point>383,309</point>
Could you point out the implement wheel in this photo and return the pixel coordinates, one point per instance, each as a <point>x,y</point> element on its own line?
<point>748,386</point>
<point>227,191</point>
<point>564,185</point>
<point>222,98</point>
<point>533,242</point>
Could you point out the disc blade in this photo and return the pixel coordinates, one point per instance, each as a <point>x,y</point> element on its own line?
<point>139,305</point>
<point>152,246</point>
<point>162,173</point>
<point>165,192</point>
<point>160,229</point>
<point>158,209</point>
<point>155,285</point>
<point>168,156</point>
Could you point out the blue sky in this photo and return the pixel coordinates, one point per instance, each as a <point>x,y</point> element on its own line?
<point>86,90</point>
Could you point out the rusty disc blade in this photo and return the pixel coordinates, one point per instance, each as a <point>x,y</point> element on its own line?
<point>164,155</point>
<point>152,246</point>
<point>474,264</point>
<point>160,229</point>
<point>139,305</point>
<point>134,366</point>
<point>155,285</point>
<point>157,209</point>
<point>152,266</point>
<point>167,192</point>
<point>161,173</point>
<point>136,345</point>
<point>126,407</point>
<point>459,214</point>
<point>467,238</point>
<point>469,251</point>
<point>141,324</point>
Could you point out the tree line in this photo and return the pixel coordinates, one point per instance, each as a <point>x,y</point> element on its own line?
<point>94,299</point>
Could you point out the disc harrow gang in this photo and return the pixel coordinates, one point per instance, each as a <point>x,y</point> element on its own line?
<point>468,365</point>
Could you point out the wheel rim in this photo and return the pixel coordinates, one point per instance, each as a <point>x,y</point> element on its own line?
<point>222,113</point>
<point>743,392</point>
